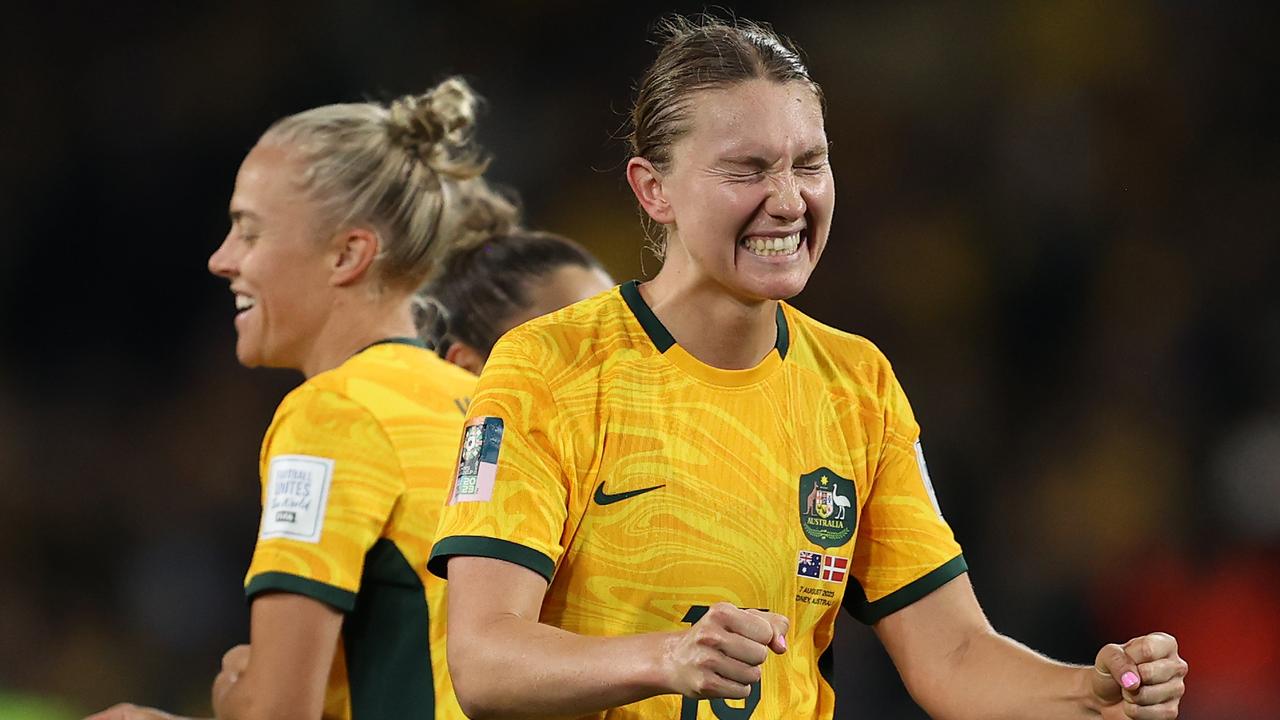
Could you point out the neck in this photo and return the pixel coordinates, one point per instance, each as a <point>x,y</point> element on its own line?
<point>717,329</point>
<point>355,323</point>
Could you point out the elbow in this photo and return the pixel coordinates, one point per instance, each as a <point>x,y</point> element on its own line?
<point>476,705</point>
<point>478,712</point>
<point>471,685</point>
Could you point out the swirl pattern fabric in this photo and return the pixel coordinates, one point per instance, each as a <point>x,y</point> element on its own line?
<point>388,419</point>
<point>792,486</point>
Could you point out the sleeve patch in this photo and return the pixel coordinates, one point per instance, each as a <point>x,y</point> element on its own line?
<point>477,461</point>
<point>924,477</point>
<point>297,492</point>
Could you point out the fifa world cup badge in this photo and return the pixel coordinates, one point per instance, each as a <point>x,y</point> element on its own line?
<point>477,461</point>
<point>827,515</point>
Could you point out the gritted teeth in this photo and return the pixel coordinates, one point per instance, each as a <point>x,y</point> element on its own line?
<point>770,246</point>
<point>244,302</point>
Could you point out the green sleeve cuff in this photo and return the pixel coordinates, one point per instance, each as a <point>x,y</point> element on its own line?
<point>479,546</point>
<point>343,600</point>
<point>867,612</point>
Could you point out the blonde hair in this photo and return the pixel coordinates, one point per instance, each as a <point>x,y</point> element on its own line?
<point>409,171</point>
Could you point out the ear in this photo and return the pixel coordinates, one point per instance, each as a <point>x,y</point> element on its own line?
<point>646,183</point>
<point>355,249</point>
<point>465,357</point>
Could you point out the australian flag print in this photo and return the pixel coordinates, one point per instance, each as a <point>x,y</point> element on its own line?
<point>809,564</point>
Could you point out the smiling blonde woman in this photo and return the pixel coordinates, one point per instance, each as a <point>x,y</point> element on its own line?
<point>339,214</point>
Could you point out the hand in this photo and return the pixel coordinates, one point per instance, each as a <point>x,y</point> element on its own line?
<point>1142,679</point>
<point>233,663</point>
<point>126,711</point>
<point>720,656</point>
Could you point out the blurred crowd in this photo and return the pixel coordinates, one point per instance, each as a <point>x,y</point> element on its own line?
<point>1056,219</point>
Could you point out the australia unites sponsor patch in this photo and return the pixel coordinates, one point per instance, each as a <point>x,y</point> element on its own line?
<point>819,566</point>
<point>477,460</point>
<point>297,492</point>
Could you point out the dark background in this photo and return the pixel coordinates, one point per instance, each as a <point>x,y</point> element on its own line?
<point>1057,219</point>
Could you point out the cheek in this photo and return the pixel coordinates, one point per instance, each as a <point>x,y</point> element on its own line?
<point>820,196</point>
<point>736,205</point>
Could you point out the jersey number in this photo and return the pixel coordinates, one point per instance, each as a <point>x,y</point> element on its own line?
<point>720,707</point>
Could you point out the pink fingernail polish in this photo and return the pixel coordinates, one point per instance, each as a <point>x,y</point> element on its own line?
<point>782,640</point>
<point>1129,680</point>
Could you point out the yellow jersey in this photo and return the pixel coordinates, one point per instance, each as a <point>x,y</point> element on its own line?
<point>645,486</point>
<point>355,468</point>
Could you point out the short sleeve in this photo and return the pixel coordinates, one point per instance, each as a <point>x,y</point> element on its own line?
<point>330,478</point>
<point>904,549</point>
<point>509,498</point>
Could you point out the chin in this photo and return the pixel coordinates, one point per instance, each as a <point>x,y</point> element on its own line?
<point>248,355</point>
<point>778,288</point>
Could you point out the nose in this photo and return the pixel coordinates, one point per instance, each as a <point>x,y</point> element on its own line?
<point>785,200</point>
<point>223,261</point>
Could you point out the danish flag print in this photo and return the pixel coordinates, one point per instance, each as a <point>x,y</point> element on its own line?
<point>834,568</point>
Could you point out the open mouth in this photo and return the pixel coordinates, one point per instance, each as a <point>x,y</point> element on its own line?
<point>772,246</point>
<point>244,303</point>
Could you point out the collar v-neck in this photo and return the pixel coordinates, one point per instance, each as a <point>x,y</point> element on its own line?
<point>681,358</point>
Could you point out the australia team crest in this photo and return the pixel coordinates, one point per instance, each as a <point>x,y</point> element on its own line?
<point>827,512</point>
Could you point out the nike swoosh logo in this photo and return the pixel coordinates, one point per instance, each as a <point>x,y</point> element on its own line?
<point>603,498</point>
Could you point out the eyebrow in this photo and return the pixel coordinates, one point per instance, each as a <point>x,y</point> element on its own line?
<point>238,215</point>
<point>815,153</point>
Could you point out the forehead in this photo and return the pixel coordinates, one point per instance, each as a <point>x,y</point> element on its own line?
<point>754,117</point>
<point>266,179</point>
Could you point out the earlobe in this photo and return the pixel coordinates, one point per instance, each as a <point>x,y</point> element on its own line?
<point>646,183</point>
<point>465,357</point>
<point>357,248</point>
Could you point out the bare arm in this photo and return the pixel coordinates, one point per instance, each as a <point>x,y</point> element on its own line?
<point>504,663</point>
<point>285,631</point>
<point>957,667</point>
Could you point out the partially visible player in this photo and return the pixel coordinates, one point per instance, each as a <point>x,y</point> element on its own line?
<point>666,493</point>
<point>339,214</point>
<point>484,289</point>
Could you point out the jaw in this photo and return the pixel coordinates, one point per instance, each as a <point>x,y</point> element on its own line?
<point>248,340</point>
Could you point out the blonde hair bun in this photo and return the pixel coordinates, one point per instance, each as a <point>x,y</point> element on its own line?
<point>436,128</point>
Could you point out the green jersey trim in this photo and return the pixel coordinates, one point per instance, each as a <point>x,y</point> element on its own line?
<point>336,597</point>
<point>783,343</point>
<point>872,612</point>
<point>387,640</point>
<point>415,342</point>
<point>479,546</point>
<point>662,338</point>
<point>653,327</point>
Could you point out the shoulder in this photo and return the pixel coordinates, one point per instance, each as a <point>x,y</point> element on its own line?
<point>835,353</point>
<point>382,383</point>
<point>320,418</point>
<point>578,336</point>
<point>384,378</point>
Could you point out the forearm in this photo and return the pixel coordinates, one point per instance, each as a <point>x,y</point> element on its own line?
<point>992,677</point>
<point>517,667</point>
